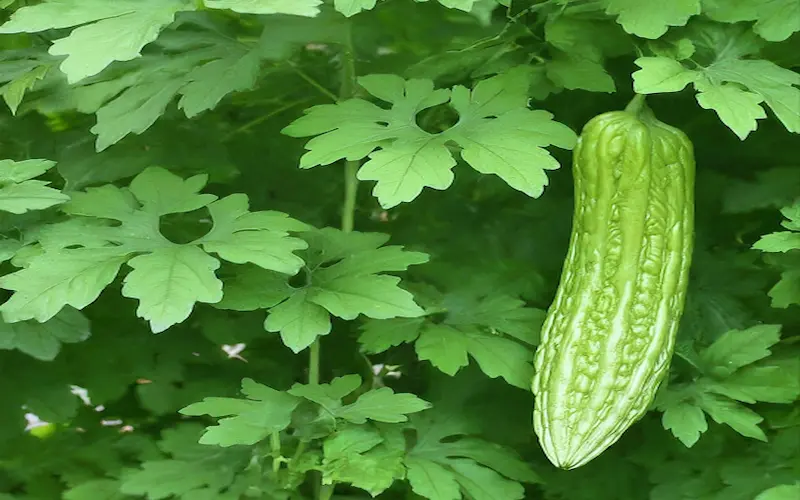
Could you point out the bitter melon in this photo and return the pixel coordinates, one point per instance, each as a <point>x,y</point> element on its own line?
<point>609,334</point>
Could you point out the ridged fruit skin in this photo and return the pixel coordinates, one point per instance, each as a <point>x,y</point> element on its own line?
<point>609,335</point>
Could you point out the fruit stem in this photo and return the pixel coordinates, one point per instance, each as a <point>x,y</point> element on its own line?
<point>637,105</point>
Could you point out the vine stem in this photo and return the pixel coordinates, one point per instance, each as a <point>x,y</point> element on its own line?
<point>326,492</point>
<point>346,91</point>
<point>636,105</point>
<point>313,363</point>
<point>350,195</point>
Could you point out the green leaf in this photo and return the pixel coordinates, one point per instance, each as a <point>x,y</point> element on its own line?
<point>329,396</point>
<point>131,101</point>
<point>349,8</point>
<point>443,464</point>
<point>261,238</point>
<point>651,20</point>
<point>679,49</point>
<point>686,422</point>
<point>161,479</point>
<point>133,111</point>
<point>501,357</point>
<point>168,282</point>
<point>382,405</point>
<point>512,144</point>
<point>405,169</point>
<point>661,74</point>
<point>738,348</point>
<point>364,457</point>
<point>379,336</point>
<point>342,278</point>
<point>784,241</point>
<point>495,457</point>
<point>209,83</point>
<point>248,420</point>
<point>167,278</point>
<point>579,73</point>
<point>431,480</point>
<point>776,20</point>
<point>781,492</point>
<point>499,312</point>
<point>299,321</point>
<point>498,135</point>
<point>776,383</point>
<point>447,348</point>
<point>253,288</point>
<point>8,248</point>
<point>19,193</point>
<point>739,418</point>
<point>786,291</point>
<point>778,86</point>
<point>482,483</point>
<point>466,321</point>
<point>308,8</point>
<point>444,347</point>
<point>465,5</point>
<point>586,38</point>
<point>29,195</point>
<point>17,172</point>
<point>737,108</point>
<point>14,91</point>
<point>43,340</point>
<point>60,278</point>
<point>96,489</point>
<point>732,86</point>
<point>110,32</point>
<point>376,296</point>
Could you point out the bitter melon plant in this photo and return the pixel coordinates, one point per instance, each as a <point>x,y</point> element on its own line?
<point>609,334</point>
<point>305,250</point>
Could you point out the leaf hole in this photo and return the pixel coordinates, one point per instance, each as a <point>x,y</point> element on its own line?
<point>437,119</point>
<point>300,280</point>
<point>185,227</point>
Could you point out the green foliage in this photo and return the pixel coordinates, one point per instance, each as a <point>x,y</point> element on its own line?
<point>732,83</point>
<point>341,277</point>
<point>496,132</point>
<point>20,192</point>
<point>787,291</point>
<point>732,371</point>
<point>152,149</point>
<point>497,331</point>
<point>168,278</point>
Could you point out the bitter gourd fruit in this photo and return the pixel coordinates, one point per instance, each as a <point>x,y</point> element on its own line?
<point>609,334</point>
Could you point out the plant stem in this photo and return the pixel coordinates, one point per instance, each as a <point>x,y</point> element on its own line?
<point>325,492</point>
<point>346,91</point>
<point>637,104</point>
<point>348,77</point>
<point>305,76</point>
<point>252,123</point>
<point>350,195</point>
<point>275,445</point>
<point>313,363</point>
